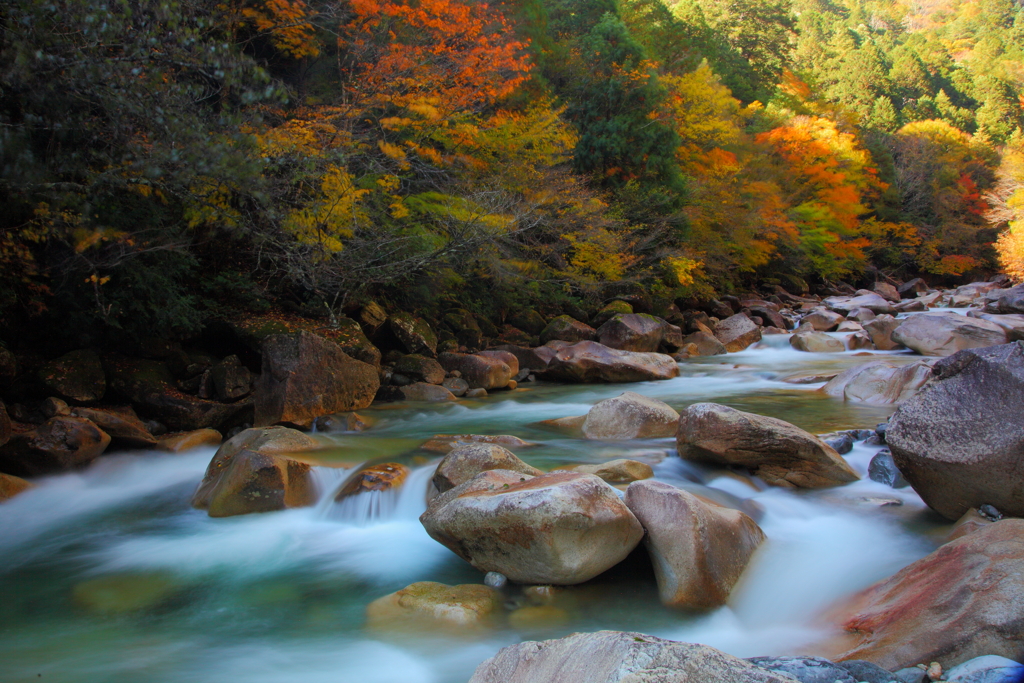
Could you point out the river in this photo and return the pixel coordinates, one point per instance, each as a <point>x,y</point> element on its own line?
<point>280,597</point>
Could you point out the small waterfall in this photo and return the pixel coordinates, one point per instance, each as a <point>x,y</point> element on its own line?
<point>406,502</point>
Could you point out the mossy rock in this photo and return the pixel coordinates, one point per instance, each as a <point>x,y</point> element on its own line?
<point>77,376</point>
<point>528,320</point>
<point>611,310</point>
<point>414,334</point>
<point>347,333</point>
<point>123,593</point>
<point>465,327</point>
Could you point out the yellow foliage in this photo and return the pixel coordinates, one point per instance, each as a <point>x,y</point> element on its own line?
<point>684,269</point>
<point>1010,247</point>
<point>331,216</point>
<point>596,255</point>
<point>210,204</point>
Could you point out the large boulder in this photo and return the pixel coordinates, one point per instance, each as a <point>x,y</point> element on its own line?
<point>557,528</point>
<point>587,362</point>
<point>566,328</point>
<point>780,453</point>
<point>61,443</point>
<point>230,380</point>
<point>881,328</point>
<point>737,332</point>
<point>1013,323</point>
<point>414,334</point>
<point>869,300</point>
<point>879,383</point>
<point>77,376</point>
<point>630,416</point>
<point>427,606</point>
<point>251,472</point>
<point>305,376</point>
<point>1009,300</point>
<point>420,368</point>
<point>122,424</point>
<point>10,486</point>
<point>943,334</point>
<point>886,291</point>
<point>705,342</point>
<point>534,359</point>
<point>481,372</point>
<point>964,600</point>
<point>639,332</point>
<point>959,442</point>
<point>816,342</point>
<point>507,357</point>
<point>618,657</point>
<point>698,549</point>
<point>469,460</point>
<point>822,319</point>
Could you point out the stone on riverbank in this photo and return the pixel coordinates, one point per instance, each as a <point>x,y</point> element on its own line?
<point>737,332</point>
<point>567,329</point>
<point>414,334</point>
<point>618,657</point>
<point>469,460</point>
<point>705,342</point>
<point>428,605</point>
<point>879,382</point>
<point>588,362</point>
<point>698,549</point>
<point>557,528</point>
<point>125,428</point>
<point>305,376</point>
<point>630,416</point>
<point>480,372</point>
<point>943,334</point>
<point>959,441</point>
<point>77,376</point>
<point>10,486</point>
<point>639,332</point>
<point>59,444</point>
<point>822,319</point>
<point>420,368</point>
<point>964,600</point>
<point>880,329</point>
<point>251,472</point>
<point>780,453</point>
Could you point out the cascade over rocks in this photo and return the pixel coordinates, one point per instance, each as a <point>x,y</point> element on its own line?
<point>467,461</point>
<point>630,416</point>
<point>737,332</point>
<point>780,453</point>
<point>383,476</point>
<point>943,334</point>
<point>964,600</point>
<point>251,472</point>
<point>61,443</point>
<point>556,528</point>
<point>698,549</point>
<point>305,376</point>
<point>959,441</point>
<point>587,362</point>
<point>618,657</point>
<point>879,382</point>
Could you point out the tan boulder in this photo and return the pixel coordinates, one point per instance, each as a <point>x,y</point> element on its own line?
<point>880,329</point>
<point>943,334</point>
<point>445,443</point>
<point>186,441</point>
<point>467,461</point>
<point>964,600</point>
<point>61,443</point>
<point>428,606</point>
<point>618,657</point>
<point>778,452</point>
<point>507,357</point>
<point>638,332</point>
<point>481,372</point>
<point>630,416</point>
<point>380,477</point>
<point>305,376</point>
<point>587,362</point>
<point>10,486</point>
<point>816,342</point>
<point>737,332</point>
<point>557,528</point>
<point>823,320</point>
<point>620,471</point>
<point>879,382</point>
<point>705,343</point>
<point>698,549</point>
<point>886,291</point>
<point>430,393</point>
<point>251,472</point>
<point>122,424</point>
<point>859,341</point>
<point>572,425</point>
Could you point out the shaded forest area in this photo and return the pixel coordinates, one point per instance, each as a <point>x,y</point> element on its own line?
<point>163,162</point>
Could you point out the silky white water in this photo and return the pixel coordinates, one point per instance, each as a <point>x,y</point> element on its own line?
<point>280,597</point>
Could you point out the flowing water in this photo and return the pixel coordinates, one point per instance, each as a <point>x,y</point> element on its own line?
<point>107,575</point>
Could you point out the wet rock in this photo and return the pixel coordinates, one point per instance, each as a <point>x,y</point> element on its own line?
<point>305,376</point>
<point>476,393</point>
<point>122,593</point>
<point>558,528</point>
<point>10,486</point>
<point>456,385</point>
<point>698,549</point>
<point>806,669</point>
<point>59,444</point>
<point>469,460</point>
<point>187,441</point>
<point>706,344</point>
<point>527,320</point>
<point>842,443</point>
<point>638,332</point>
<point>609,311</point>
<point>572,425</point>
<point>480,372</point>
<point>77,376</point>
<point>737,332</point>
<point>538,618</point>
<point>869,300</point>
<point>420,391</point>
<point>251,472</point>
<point>428,606</point>
<point>588,362</point>
<point>822,319</point>
<point>943,334</point>
<point>882,469</point>
<point>125,428</point>
<point>445,443</point>
<point>381,477</point>
<point>630,416</point>
<point>495,579</point>
<point>951,441</point>
<point>777,451</point>
<point>566,328</point>
<point>506,357</point>
<point>816,342</point>
<point>342,422</point>
<point>618,657</point>
<point>970,522</point>
<point>987,669</point>
<point>879,382</point>
<point>620,471</point>
<point>964,600</point>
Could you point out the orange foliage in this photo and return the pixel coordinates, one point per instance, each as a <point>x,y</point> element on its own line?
<point>288,23</point>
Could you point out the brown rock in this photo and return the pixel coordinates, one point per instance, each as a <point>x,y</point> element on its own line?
<point>414,334</point>
<point>568,425</point>
<point>481,372</point>
<point>10,486</point>
<point>886,291</point>
<point>382,477</point>
<point>5,424</point>
<point>964,600</point>
<point>969,523</point>
<point>699,550</point>
<point>187,441</point>
<point>427,606</point>
<point>305,376</point>
<point>343,422</point>
<point>420,369</point>
<point>251,472</point>
<point>60,443</point>
<point>636,332</point>
<point>77,376</point>
<point>536,359</point>
<point>456,385</point>
<point>507,357</point>
<point>620,471</point>
<point>445,443</point>
<point>420,391</point>
<point>587,362</point>
<point>467,461</point>
<point>630,416</point>
<point>858,341</point>
<point>705,342</point>
<point>881,328</point>
<point>737,332</point>
<point>816,342</point>
<point>230,379</point>
<point>777,451</point>
<point>125,428</point>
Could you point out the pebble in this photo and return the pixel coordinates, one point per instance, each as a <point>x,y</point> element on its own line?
<point>495,579</point>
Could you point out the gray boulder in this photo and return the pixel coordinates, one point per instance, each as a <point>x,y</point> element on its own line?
<point>630,416</point>
<point>943,334</point>
<point>806,669</point>
<point>879,382</point>
<point>737,332</point>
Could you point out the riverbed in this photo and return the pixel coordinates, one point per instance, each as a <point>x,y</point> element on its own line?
<point>280,597</point>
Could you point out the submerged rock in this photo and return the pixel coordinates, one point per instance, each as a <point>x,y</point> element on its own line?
<point>385,476</point>
<point>186,441</point>
<point>620,471</point>
<point>10,486</point>
<point>428,605</point>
